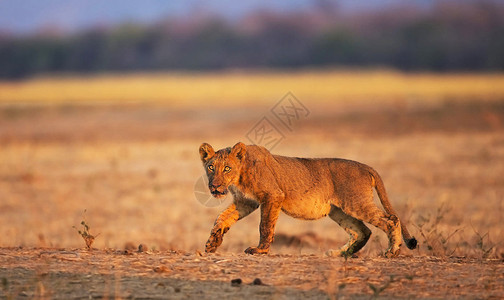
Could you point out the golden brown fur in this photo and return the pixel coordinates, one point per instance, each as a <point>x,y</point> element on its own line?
<point>302,188</point>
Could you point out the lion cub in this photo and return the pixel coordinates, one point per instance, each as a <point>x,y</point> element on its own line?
<point>302,188</point>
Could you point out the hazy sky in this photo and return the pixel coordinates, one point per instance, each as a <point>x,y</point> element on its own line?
<point>24,16</point>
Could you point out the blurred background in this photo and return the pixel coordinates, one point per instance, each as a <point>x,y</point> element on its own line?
<point>103,106</point>
<point>124,36</point>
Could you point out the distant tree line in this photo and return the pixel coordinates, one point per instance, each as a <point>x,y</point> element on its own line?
<point>451,36</point>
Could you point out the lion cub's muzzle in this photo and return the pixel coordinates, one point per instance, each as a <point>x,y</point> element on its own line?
<point>218,191</point>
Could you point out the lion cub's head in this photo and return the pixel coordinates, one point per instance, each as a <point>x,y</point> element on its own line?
<point>222,167</point>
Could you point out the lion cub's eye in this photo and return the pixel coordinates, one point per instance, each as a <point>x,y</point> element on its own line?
<point>210,168</point>
<point>227,169</point>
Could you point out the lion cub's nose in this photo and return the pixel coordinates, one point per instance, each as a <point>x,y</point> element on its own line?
<point>214,187</point>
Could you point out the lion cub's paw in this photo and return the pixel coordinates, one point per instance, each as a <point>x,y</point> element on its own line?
<point>255,250</point>
<point>210,248</point>
<point>391,253</point>
<point>214,241</point>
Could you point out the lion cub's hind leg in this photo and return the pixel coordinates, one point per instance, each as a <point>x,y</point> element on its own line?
<point>359,233</point>
<point>388,223</point>
<point>393,230</point>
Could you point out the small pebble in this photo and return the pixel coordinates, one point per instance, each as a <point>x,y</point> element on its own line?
<point>236,282</point>
<point>161,269</point>
<point>143,248</point>
<point>257,281</point>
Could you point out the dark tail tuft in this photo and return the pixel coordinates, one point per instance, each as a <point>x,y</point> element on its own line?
<point>411,243</point>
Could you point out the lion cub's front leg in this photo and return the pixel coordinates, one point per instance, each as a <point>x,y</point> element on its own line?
<point>225,220</point>
<point>269,216</point>
<point>240,208</point>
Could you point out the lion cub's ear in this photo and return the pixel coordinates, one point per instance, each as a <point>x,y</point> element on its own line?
<point>206,152</point>
<point>239,150</point>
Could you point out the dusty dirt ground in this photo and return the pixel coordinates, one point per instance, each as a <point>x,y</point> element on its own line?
<point>70,273</point>
<point>133,170</point>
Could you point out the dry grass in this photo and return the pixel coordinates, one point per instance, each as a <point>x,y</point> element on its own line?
<point>261,87</point>
<point>134,167</point>
<point>437,141</point>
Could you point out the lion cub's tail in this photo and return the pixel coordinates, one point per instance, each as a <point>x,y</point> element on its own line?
<point>410,241</point>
